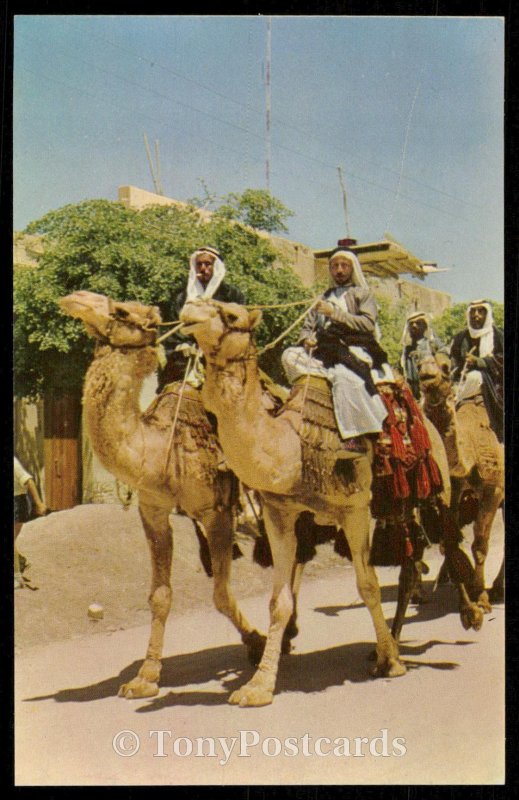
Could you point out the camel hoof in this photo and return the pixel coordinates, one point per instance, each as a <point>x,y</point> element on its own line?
<point>138,688</point>
<point>392,668</point>
<point>255,644</point>
<point>472,617</point>
<point>484,603</point>
<point>251,696</point>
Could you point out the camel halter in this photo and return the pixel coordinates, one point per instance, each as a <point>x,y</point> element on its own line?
<point>114,320</point>
<point>251,347</point>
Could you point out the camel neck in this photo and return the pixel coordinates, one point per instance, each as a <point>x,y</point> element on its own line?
<point>111,400</point>
<point>251,438</point>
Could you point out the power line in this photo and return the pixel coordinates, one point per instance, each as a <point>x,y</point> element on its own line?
<point>281,121</point>
<point>304,156</point>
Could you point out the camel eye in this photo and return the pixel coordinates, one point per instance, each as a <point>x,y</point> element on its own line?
<point>122,313</point>
<point>231,318</point>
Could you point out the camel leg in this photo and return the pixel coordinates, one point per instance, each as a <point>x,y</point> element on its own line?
<point>456,490</point>
<point>497,591</point>
<point>291,629</point>
<point>461,572</point>
<point>280,528</point>
<point>407,583</point>
<point>490,500</point>
<point>218,527</point>
<point>356,527</point>
<point>160,541</point>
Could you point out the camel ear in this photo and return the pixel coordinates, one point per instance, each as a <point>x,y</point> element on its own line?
<point>254,318</point>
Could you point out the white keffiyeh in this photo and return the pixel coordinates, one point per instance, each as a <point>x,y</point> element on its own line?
<point>484,334</point>
<point>195,289</point>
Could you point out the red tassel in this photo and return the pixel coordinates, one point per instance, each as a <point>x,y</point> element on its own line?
<point>434,471</point>
<point>408,547</point>
<point>398,444</point>
<point>423,485</point>
<point>400,484</point>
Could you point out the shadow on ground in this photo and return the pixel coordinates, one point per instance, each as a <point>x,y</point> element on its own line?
<point>303,672</point>
<point>440,603</point>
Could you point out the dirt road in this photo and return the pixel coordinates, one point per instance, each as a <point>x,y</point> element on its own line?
<point>442,723</point>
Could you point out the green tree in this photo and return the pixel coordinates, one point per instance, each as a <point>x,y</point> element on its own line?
<point>257,208</point>
<point>391,321</point>
<point>143,255</point>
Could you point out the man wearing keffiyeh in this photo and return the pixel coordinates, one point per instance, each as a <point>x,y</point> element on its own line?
<point>339,341</point>
<point>205,281</point>
<point>477,358</point>
<point>418,340</point>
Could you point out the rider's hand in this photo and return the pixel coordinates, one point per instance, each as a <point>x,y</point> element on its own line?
<point>323,307</point>
<point>310,343</point>
<point>471,360</point>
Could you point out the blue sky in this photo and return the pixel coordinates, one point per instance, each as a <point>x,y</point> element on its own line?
<point>411,108</point>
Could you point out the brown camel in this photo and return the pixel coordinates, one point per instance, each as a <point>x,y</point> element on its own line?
<point>169,469</point>
<point>476,459</point>
<point>264,451</point>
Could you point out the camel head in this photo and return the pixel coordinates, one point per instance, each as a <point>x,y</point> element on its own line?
<point>129,324</point>
<point>434,373</point>
<point>222,330</point>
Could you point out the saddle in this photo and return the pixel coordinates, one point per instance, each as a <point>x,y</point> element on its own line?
<point>403,469</point>
<point>325,455</point>
<point>194,450</point>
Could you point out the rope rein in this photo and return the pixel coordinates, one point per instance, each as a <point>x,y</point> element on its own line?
<point>175,418</point>
<point>177,325</point>
<point>290,327</point>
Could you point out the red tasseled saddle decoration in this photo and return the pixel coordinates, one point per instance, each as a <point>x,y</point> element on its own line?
<point>403,467</point>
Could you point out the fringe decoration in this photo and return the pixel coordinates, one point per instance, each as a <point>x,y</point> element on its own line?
<point>403,451</point>
<point>321,444</point>
<point>195,452</point>
<point>395,541</point>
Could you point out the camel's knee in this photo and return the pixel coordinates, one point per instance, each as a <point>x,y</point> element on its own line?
<point>160,600</point>
<point>369,590</point>
<point>281,607</point>
<point>480,548</point>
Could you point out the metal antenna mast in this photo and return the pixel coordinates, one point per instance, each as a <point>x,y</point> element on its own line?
<point>155,177</point>
<point>157,162</point>
<point>344,202</point>
<point>268,101</point>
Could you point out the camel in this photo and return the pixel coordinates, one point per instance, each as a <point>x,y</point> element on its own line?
<point>476,461</point>
<point>264,451</point>
<point>168,469</point>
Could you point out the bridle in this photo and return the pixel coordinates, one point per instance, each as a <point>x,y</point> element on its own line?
<point>105,339</point>
<point>250,352</point>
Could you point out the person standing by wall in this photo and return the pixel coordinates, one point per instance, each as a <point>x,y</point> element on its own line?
<point>25,490</point>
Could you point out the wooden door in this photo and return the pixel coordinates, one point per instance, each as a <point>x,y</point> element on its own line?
<point>62,416</point>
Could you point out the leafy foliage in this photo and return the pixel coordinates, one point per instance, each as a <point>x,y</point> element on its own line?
<point>391,321</point>
<point>103,247</point>
<point>254,207</point>
<point>257,208</point>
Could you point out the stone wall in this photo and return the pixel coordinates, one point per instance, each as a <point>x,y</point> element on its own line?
<point>415,296</point>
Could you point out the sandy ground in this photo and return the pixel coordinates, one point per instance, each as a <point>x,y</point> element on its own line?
<point>447,713</point>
